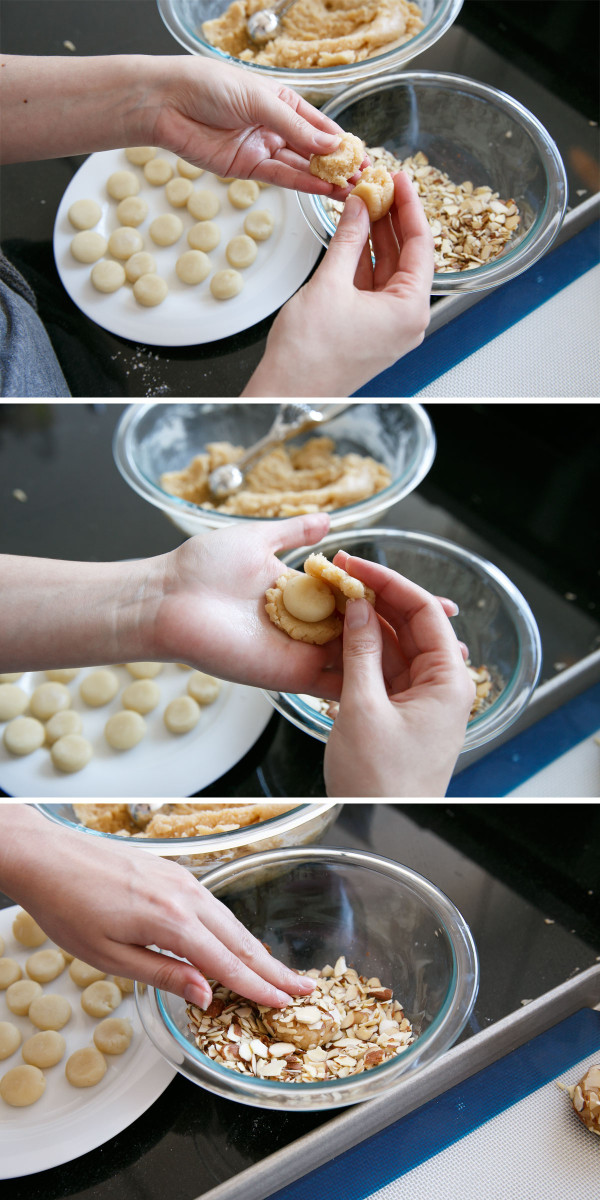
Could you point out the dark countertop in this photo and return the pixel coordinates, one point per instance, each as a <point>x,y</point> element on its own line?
<point>527,880</point>
<point>542,54</point>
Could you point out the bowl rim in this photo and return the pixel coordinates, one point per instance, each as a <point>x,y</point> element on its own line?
<point>544,229</point>
<point>518,689</point>
<point>175,506</point>
<point>443,1031</point>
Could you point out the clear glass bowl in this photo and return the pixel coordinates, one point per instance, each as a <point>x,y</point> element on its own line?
<point>184,19</point>
<point>310,906</point>
<point>470,131</point>
<point>494,620</point>
<point>152,438</point>
<point>300,826</point>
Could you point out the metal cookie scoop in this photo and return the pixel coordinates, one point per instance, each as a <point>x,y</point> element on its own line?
<point>290,420</point>
<point>264,24</point>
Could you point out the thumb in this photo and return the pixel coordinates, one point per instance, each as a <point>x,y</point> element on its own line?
<point>362,645</point>
<point>348,241</point>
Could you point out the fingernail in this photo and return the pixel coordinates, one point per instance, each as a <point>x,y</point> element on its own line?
<point>357,613</point>
<point>455,609</point>
<point>282,999</point>
<point>352,206</point>
<point>331,140</point>
<point>198,994</point>
<point>306,985</point>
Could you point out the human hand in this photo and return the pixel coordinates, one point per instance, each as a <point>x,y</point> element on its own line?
<point>353,319</point>
<point>406,696</point>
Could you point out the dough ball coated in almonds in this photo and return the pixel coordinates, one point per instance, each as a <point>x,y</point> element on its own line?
<point>22,1086</point>
<point>150,290</point>
<point>141,263</point>
<point>259,224</point>
<point>241,251</point>
<point>113,1035</point>
<point>61,724</point>
<point>101,998</point>
<point>88,246</point>
<point>83,973</point>
<point>306,1022</point>
<point>193,266</point>
<point>85,1067</point>
<point>84,214</point>
<point>140,155</point>
<point>10,971</point>
<point>203,688</point>
<point>13,701</point>
<point>121,184</point>
<point>71,753</point>
<point>181,714</point>
<point>99,687</point>
<point>44,1049</point>
<point>48,699</point>
<point>132,211</point>
<point>45,965</point>
<point>20,995</point>
<point>10,1039</point>
<point>24,735</point>
<point>166,229</point>
<point>142,696</point>
<point>125,729</point>
<point>125,241</point>
<point>226,284</point>
<point>107,276</point>
<point>243,193</point>
<point>26,930</point>
<point>204,235</point>
<point>50,1011</point>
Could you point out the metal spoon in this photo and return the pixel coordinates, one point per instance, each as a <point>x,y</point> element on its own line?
<point>290,420</point>
<point>264,24</point>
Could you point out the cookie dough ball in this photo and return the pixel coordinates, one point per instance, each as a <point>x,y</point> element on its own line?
<point>204,689</point>
<point>376,188</point>
<point>62,674</point>
<point>26,931</point>
<point>71,753</point>
<point>306,1022</point>
<point>142,696</point>
<point>140,155</point>
<point>113,1035</point>
<point>203,205</point>
<point>166,229</point>
<point>22,1086</point>
<point>88,246</point>
<point>225,178</point>
<point>150,290</point>
<point>21,994</point>
<point>259,224</point>
<point>101,998</point>
<point>241,251</point>
<point>204,235</point>
<point>44,1049</point>
<point>10,971</point>
<point>187,170</point>
<point>24,735</point>
<point>127,986</point>
<point>49,1011</point>
<point>178,191</point>
<point>99,687</point>
<point>85,1067</point>
<point>585,1097</point>
<point>158,171</point>
<point>339,167</point>
<point>308,599</point>
<point>45,965</point>
<point>10,1039</point>
<point>140,264</point>
<point>61,724</point>
<point>181,714</point>
<point>144,670</point>
<point>84,214</point>
<point>193,266</point>
<point>13,701</point>
<point>125,241</point>
<point>132,211</point>
<point>243,193</point>
<point>10,676</point>
<point>48,699</point>
<point>83,973</point>
<point>125,729</point>
<point>107,276</point>
<point>226,284</point>
<point>121,184</point>
<point>344,586</point>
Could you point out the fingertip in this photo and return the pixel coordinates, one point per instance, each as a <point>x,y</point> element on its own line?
<point>199,993</point>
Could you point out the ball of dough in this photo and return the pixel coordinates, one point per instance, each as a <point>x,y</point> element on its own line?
<point>140,155</point>
<point>139,264</point>
<point>21,994</point>
<point>99,687</point>
<point>44,1049</point>
<point>45,965</point>
<point>204,235</point>
<point>71,753</point>
<point>127,986</point>
<point>166,229</point>
<point>24,735</point>
<point>132,211</point>
<point>88,246</point>
<point>306,1021</point>
<point>83,973</point>
<point>178,191</point>
<point>376,188</point>
<point>203,205</point>
<point>187,170</point>
<point>225,178</point>
<point>62,674</point>
<point>144,670</point>
<point>107,276</point>
<point>10,971</point>
<point>204,689</point>
<point>113,1035</point>
<point>121,184</point>
<point>48,699</point>
<point>181,714</point>
<point>226,283</point>
<point>150,290</point>
<point>27,931</point>
<point>85,1067</point>
<point>193,266</point>
<point>339,166</point>
<point>308,599</point>
<point>242,193</point>
<point>158,171</point>
<point>10,676</point>
<point>13,701</point>
<point>259,224</point>
<point>241,251</point>
<point>142,696</point>
<point>125,729</point>
<point>125,241</point>
<point>61,724</point>
<point>22,1086</point>
<point>49,1011</point>
<point>101,998</point>
<point>10,1039</point>
<point>84,214</point>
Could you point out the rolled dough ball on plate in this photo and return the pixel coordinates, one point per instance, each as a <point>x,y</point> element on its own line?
<point>84,214</point>
<point>62,674</point>
<point>241,251</point>
<point>22,1086</point>
<point>166,229</point>
<point>144,670</point>
<point>85,1067</point>
<point>140,155</point>
<point>26,930</point>
<point>113,1035</point>
<point>125,729</point>
<point>204,235</point>
<point>226,284</point>
<point>48,699</point>
<point>13,701</point>
<point>140,264</point>
<point>44,1049</point>
<point>259,224</point>
<point>10,971</point>
<point>132,211</point>
<point>24,735</point>
<point>101,998</point>
<point>21,994</point>
<point>187,170</point>
<point>62,723</point>
<point>83,973</point>
<point>107,276</point>
<point>178,191</point>
<point>99,687</point>
<point>10,676</point>
<point>71,753</point>
<point>88,246</point>
<point>126,985</point>
<point>181,714</point>
<point>45,965</point>
<point>142,695</point>
<point>203,205</point>
<point>10,1039</point>
<point>158,171</point>
<point>150,290</point>
<point>50,1011</point>
<point>193,266</point>
<point>203,688</point>
<point>121,184</point>
<point>125,241</point>
<point>243,193</point>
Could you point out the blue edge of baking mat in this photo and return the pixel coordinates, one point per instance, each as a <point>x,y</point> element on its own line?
<point>418,1136</point>
<point>494,313</point>
<point>525,754</point>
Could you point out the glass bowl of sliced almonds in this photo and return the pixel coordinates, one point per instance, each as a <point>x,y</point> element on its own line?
<point>395,971</point>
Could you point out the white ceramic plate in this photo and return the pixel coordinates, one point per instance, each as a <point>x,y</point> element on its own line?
<point>162,764</point>
<point>188,316</point>
<point>67,1121</point>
